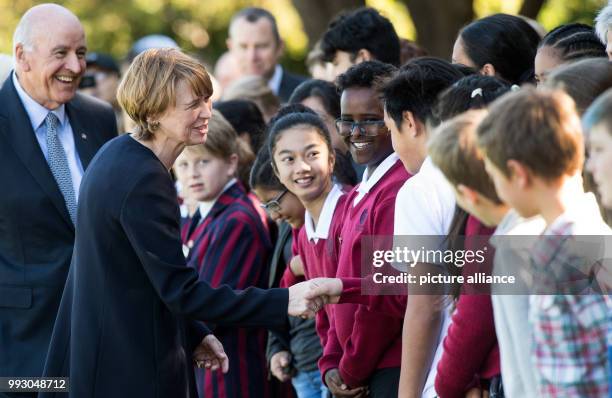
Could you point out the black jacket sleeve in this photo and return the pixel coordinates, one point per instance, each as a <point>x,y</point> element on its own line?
<point>149,218</point>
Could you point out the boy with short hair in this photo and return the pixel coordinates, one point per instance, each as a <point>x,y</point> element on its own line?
<point>424,207</point>
<point>375,39</point>
<point>533,146</point>
<point>453,149</point>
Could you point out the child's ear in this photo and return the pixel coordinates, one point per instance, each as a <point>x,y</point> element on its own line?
<point>332,159</point>
<point>487,70</point>
<point>363,55</point>
<point>468,194</point>
<point>409,124</point>
<point>232,165</point>
<point>519,173</point>
<point>275,170</point>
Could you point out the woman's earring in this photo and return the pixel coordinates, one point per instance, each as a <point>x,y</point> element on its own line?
<point>153,125</point>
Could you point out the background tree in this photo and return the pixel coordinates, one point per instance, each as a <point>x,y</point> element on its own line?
<point>200,26</point>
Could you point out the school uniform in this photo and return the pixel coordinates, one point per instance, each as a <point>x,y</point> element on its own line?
<point>471,353</point>
<point>511,311</point>
<point>361,342</point>
<point>230,246</point>
<point>318,248</point>
<point>569,323</point>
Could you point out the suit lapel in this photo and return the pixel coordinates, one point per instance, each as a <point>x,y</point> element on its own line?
<point>85,145</point>
<point>19,134</point>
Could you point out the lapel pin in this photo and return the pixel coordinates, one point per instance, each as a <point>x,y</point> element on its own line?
<point>84,136</point>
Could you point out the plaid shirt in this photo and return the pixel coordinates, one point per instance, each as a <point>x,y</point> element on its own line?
<point>569,330</point>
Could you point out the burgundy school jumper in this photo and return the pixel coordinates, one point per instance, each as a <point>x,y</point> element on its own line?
<point>231,247</point>
<point>320,260</point>
<point>360,341</point>
<point>471,352</point>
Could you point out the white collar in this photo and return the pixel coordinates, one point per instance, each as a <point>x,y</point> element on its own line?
<point>368,182</point>
<point>36,112</point>
<point>275,81</point>
<point>205,207</point>
<point>325,218</point>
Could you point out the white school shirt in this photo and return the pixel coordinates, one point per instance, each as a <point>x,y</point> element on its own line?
<point>425,205</point>
<point>511,311</point>
<point>368,182</point>
<point>321,231</point>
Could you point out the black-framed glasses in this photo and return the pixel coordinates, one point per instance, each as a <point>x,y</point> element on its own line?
<point>274,204</point>
<point>369,128</point>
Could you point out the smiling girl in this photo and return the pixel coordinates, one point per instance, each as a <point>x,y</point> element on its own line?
<point>364,347</point>
<point>229,246</point>
<point>303,160</point>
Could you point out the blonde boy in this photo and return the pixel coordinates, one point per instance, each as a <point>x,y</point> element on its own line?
<point>454,150</point>
<point>533,146</point>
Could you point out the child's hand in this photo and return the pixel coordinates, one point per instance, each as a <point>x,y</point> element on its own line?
<point>339,389</point>
<point>297,267</point>
<point>280,365</point>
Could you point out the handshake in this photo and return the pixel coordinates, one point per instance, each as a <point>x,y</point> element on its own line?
<point>305,299</point>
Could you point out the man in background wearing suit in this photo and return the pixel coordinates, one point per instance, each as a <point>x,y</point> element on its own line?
<point>255,44</point>
<point>48,136</point>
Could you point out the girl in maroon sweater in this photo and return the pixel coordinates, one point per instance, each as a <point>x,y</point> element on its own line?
<point>471,354</point>
<point>303,159</point>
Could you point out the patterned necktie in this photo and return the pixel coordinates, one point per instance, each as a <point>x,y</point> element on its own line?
<point>58,163</point>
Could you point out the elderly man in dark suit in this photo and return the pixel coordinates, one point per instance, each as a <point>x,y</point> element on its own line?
<point>256,46</point>
<point>48,135</point>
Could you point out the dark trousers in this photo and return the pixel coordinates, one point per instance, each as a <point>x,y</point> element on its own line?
<point>384,383</point>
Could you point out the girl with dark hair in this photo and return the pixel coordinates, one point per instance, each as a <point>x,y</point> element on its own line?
<point>247,120</point>
<point>292,354</point>
<point>498,45</point>
<point>323,98</point>
<point>566,43</point>
<point>470,92</point>
<point>303,160</point>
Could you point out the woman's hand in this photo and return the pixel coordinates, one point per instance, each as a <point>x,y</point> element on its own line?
<point>211,355</point>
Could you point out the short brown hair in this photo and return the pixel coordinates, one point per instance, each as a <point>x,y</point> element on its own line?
<point>222,141</point>
<point>148,88</point>
<point>453,148</point>
<point>539,128</point>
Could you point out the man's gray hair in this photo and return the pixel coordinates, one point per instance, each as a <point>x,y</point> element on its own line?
<point>603,22</point>
<point>23,34</point>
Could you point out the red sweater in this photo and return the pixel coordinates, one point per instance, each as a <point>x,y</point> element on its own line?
<point>360,341</point>
<point>320,260</point>
<point>470,347</point>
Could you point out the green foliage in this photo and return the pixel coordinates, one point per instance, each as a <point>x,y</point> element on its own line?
<point>200,26</point>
